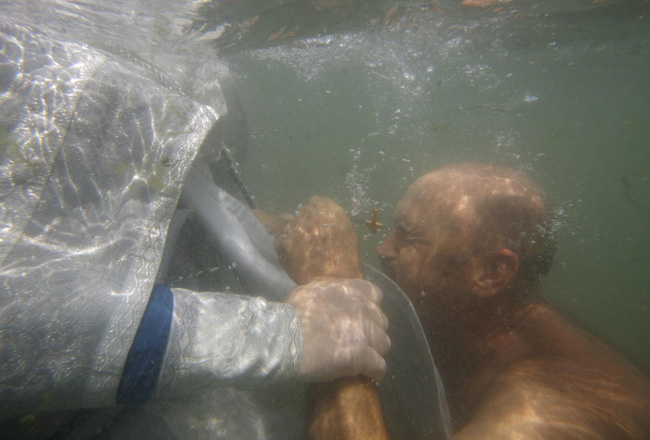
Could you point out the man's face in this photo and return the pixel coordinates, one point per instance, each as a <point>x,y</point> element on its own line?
<point>426,252</point>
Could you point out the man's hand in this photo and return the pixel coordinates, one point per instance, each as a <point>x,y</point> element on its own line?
<point>319,243</point>
<point>343,329</point>
<point>274,224</point>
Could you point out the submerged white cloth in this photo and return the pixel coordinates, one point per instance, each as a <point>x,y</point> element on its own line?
<point>247,345</point>
<point>93,153</point>
<point>94,150</point>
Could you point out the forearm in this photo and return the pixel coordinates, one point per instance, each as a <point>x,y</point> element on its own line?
<point>347,408</point>
<point>228,340</point>
<point>315,247</point>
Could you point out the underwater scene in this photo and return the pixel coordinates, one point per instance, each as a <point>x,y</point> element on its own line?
<point>166,270</point>
<point>556,89</point>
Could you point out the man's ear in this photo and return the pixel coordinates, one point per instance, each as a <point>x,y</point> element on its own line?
<point>493,271</point>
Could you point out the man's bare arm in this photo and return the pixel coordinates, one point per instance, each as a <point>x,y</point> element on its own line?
<point>319,244</point>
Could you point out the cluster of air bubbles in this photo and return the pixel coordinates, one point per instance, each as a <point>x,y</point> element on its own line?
<point>306,60</point>
<point>396,119</point>
<point>411,170</point>
<point>356,183</point>
<point>558,220</point>
<point>189,276</point>
<point>456,45</point>
<point>475,72</point>
<point>506,147</point>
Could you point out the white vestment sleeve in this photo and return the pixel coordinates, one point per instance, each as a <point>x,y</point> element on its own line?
<point>221,340</point>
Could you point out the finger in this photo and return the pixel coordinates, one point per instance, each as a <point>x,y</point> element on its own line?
<point>296,295</point>
<point>308,221</point>
<point>379,340</point>
<point>288,217</point>
<point>273,224</point>
<point>330,209</point>
<point>306,211</point>
<point>369,290</point>
<point>322,202</point>
<point>377,316</point>
<point>371,364</point>
<point>282,242</point>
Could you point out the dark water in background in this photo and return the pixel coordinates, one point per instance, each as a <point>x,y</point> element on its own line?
<point>355,100</point>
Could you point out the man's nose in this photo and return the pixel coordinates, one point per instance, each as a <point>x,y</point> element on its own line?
<point>386,249</point>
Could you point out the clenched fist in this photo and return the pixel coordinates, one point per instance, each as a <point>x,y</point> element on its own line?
<point>319,243</point>
<point>343,329</point>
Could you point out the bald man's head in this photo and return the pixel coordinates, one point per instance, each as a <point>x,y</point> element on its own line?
<point>491,207</point>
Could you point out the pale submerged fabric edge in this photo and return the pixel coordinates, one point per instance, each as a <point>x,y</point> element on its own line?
<point>179,146</point>
<point>96,153</point>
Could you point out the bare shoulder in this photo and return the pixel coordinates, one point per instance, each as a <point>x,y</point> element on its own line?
<point>518,404</point>
<point>556,399</point>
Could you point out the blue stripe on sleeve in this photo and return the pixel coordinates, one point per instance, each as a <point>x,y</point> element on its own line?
<point>145,358</point>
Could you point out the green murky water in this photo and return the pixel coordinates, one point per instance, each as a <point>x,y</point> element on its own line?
<point>357,104</point>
